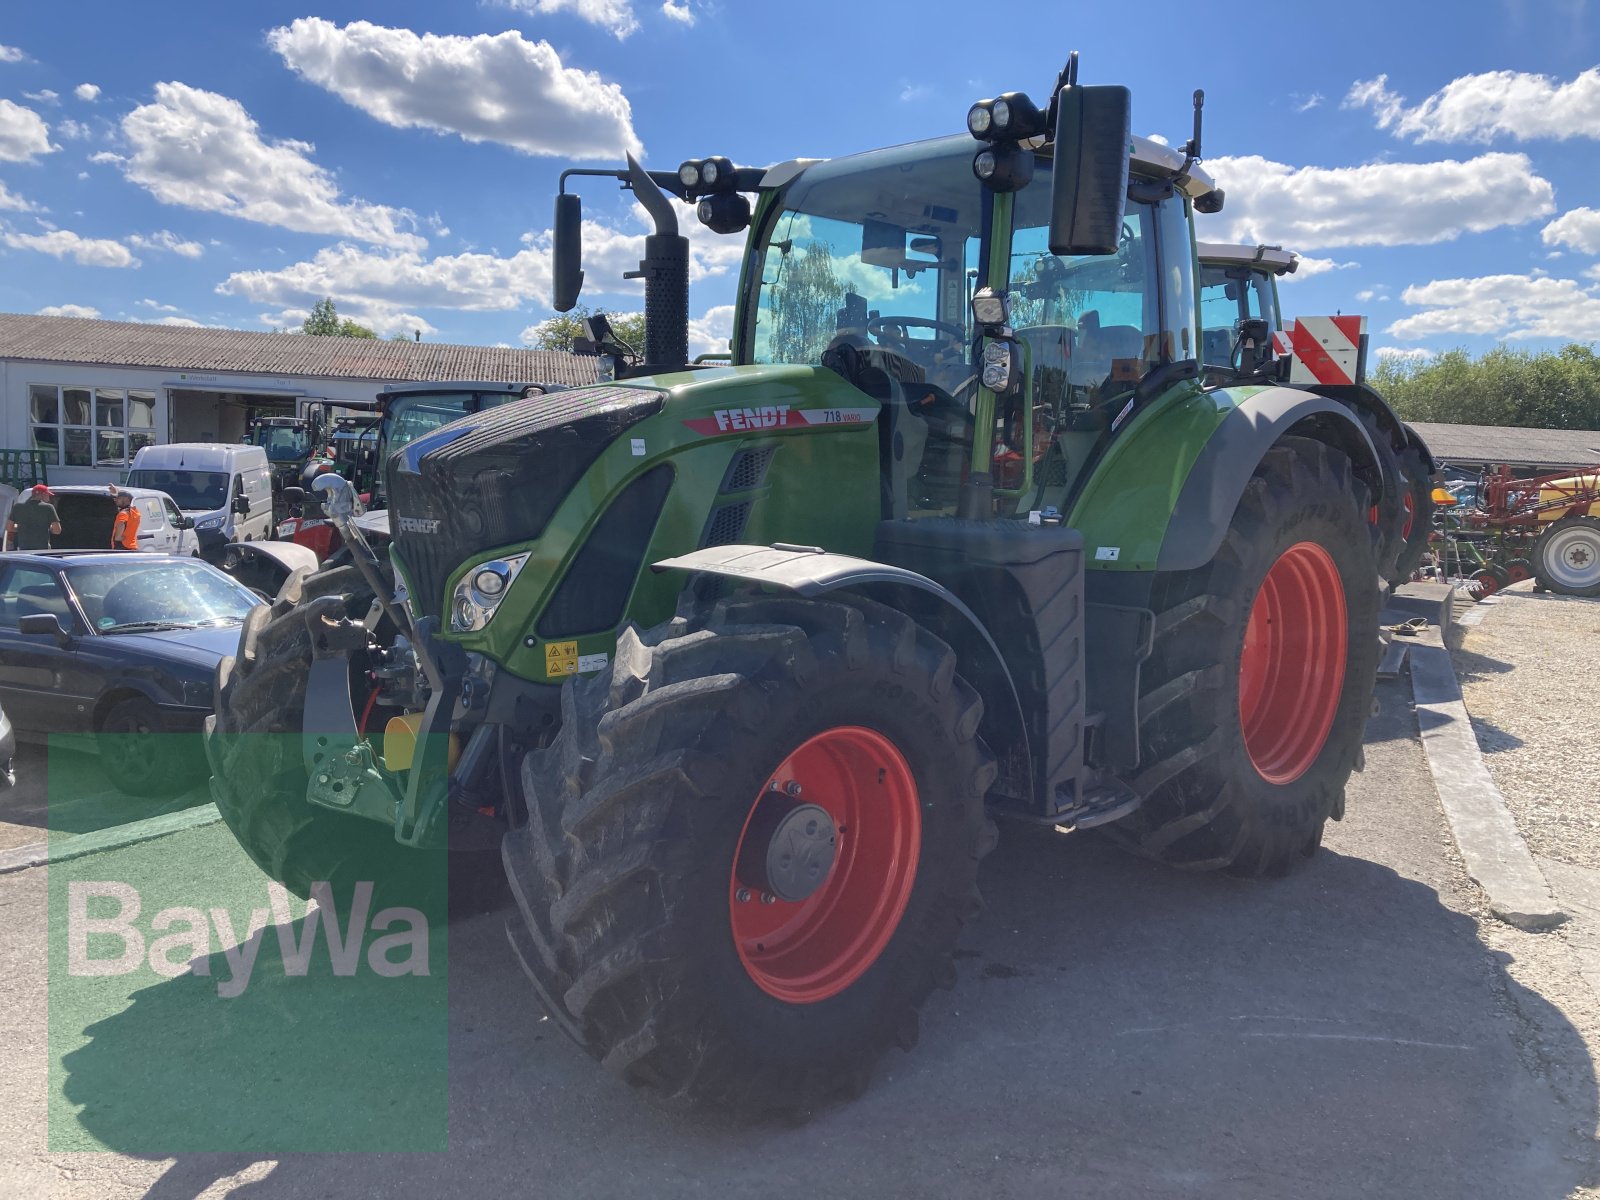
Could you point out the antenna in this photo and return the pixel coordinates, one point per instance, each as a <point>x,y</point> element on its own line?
<point>1191,148</point>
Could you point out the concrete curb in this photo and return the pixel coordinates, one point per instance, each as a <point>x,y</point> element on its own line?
<point>37,854</point>
<point>1485,832</point>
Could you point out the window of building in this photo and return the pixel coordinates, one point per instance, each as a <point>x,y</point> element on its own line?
<point>90,427</point>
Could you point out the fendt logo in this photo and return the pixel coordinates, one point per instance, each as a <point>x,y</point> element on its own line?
<point>777,416</point>
<point>420,524</point>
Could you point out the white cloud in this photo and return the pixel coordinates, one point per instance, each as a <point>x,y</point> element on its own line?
<point>1412,353</point>
<point>1375,204</point>
<point>42,96</point>
<point>11,202</point>
<point>1507,306</point>
<point>485,89</point>
<point>709,334</point>
<point>23,133</point>
<point>1369,294</point>
<point>179,322</point>
<point>159,307</point>
<point>87,91</point>
<point>1158,139</point>
<point>1308,267</point>
<point>204,151</point>
<point>678,12</point>
<point>1478,108</point>
<point>912,92</point>
<point>69,310</point>
<point>11,54</point>
<point>1579,229</point>
<point>69,128</point>
<point>613,15</point>
<point>107,156</point>
<point>165,239</point>
<point>63,243</point>
<point>1304,103</point>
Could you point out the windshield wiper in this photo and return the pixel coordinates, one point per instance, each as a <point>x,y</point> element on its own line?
<point>148,627</point>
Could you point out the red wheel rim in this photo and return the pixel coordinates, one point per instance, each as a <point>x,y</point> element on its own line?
<point>1409,503</point>
<point>1291,671</point>
<point>1488,585</point>
<point>1517,571</point>
<point>815,948</point>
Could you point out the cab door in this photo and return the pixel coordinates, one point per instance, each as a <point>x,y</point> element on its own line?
<point>40,683</point>
<point>184,540</point>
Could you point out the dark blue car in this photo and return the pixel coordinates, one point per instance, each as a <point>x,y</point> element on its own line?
<point>117,648</point>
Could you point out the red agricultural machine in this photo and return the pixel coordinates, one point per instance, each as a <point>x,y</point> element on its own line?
<point>1513,529</point>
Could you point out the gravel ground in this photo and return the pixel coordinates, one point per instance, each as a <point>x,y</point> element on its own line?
<point>1528,678</point>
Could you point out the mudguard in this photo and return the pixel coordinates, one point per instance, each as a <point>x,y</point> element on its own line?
<point>265,565</point>
<point>811,571</point>
<point>1217,480</point>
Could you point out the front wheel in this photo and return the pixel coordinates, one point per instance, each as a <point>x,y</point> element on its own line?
<point>751,848</point>
<point>1254,697</point>
<point>139,755</point>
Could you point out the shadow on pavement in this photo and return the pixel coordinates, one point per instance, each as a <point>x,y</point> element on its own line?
<point>1118,1029</point>
<point>62,791</point>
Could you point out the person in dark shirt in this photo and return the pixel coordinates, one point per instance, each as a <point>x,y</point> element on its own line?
<point>34,521</point>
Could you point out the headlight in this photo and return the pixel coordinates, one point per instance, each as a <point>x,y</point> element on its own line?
<point>1000,111</point>
<point>479,594</point>
<point>215,522</point>
<point>689,174</point>
<point>979,119</point>
<point>996,366</point>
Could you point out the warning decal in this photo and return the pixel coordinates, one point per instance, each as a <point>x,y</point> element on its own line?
<point>561,658</point>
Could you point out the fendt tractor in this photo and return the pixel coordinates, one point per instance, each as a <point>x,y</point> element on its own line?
<point>1242,332</point>
<point>739,664</point>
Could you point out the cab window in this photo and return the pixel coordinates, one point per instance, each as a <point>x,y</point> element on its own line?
<point>1228,295</point>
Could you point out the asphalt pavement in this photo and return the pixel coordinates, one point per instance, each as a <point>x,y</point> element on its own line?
<point>1118,1029</point>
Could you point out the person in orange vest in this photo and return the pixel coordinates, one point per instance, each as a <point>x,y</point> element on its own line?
<point>125,529</point>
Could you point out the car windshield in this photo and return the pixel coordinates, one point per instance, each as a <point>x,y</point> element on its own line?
<point>284,443</point>
<point>137,596</point>
<point>193,490</point>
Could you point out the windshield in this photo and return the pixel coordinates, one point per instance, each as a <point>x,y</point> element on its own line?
<point>195,491</point>
<point>409,417</point>
<point>1229,294</point>
<point>884,247</point>
<point>124,597</point>
<point>283,443</point>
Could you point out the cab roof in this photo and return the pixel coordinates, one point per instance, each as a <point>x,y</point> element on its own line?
<point>1275,259</point>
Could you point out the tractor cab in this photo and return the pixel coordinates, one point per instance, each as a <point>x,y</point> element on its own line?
<point>1238,284</point>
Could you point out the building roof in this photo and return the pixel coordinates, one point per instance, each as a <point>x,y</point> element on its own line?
<point>1507,446</point>
<point>183,348</point>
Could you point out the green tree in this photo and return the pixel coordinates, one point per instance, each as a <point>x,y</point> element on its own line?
<point>561,330</point>
<point>1547,389</point>
<point>326,322</point>
<point>807,298</point>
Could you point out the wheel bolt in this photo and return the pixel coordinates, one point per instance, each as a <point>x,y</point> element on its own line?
<point>742,895</point>
<point>768,898</point>
<point>794,787</point>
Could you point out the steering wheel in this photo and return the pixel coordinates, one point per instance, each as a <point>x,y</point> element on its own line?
<point>882,328</point>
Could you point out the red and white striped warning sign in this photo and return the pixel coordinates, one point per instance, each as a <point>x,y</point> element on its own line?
<point>1326,349</point>
<point>1282,343</point>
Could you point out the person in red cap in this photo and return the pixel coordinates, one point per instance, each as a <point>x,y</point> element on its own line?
<point>33,521</point>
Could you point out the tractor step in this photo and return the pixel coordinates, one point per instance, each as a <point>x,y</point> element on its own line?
<point>1099,806</point>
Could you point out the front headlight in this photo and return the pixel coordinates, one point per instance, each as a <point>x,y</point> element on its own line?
<point>480,592</point>
<point>996,366</point>
<point>212,522</point>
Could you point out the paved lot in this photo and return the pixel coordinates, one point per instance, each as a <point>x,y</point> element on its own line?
<point>62,791</point>
<point>1118,1030</point>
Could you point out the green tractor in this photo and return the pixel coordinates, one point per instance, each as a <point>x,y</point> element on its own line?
<point>739,664</point>
<point>1243,337</point>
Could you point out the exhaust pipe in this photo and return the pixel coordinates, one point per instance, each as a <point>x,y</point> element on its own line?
<point>665,271</point>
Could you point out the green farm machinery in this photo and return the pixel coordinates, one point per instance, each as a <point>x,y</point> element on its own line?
<point>742,666</point>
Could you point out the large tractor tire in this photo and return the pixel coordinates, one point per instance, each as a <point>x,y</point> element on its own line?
<point>1386,518</point>
<point>253,743</point>
<point>751,848</point>
<point>1566,558</point>
<point>1417,500</point>
<point>1255,694</point>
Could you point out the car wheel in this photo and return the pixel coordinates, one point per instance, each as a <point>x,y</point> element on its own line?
<point>138,752</point>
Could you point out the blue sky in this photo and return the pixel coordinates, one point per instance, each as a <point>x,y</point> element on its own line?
<point>229,164</point>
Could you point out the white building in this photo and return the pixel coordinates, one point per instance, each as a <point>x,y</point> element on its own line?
<point>88,394</point>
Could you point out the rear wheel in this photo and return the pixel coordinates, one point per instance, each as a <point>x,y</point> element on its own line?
<point>1416,499</point>
<point>1518,569</point>
<point>1255,694</point>
<point>751,847</point>
<point>1567,557</point>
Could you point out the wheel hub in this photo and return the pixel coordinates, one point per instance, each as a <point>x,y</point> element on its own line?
<point>789,848</point>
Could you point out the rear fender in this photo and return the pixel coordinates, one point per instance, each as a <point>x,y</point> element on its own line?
<point>811,571</point>
<point>1218,478</point>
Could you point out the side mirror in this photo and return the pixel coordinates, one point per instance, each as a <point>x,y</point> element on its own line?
<point>293,495</point>
<point>566,265</point>
<point>1254,345</point>
<point>183,522</point>
<point>241,505</point>
<point>1089,184</point>
<point>44,623</point>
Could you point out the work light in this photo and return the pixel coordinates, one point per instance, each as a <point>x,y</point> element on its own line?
<point>989,308</point>
<point>1003,166</point>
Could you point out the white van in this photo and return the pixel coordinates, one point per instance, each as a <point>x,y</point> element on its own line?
<point>227,490</point>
